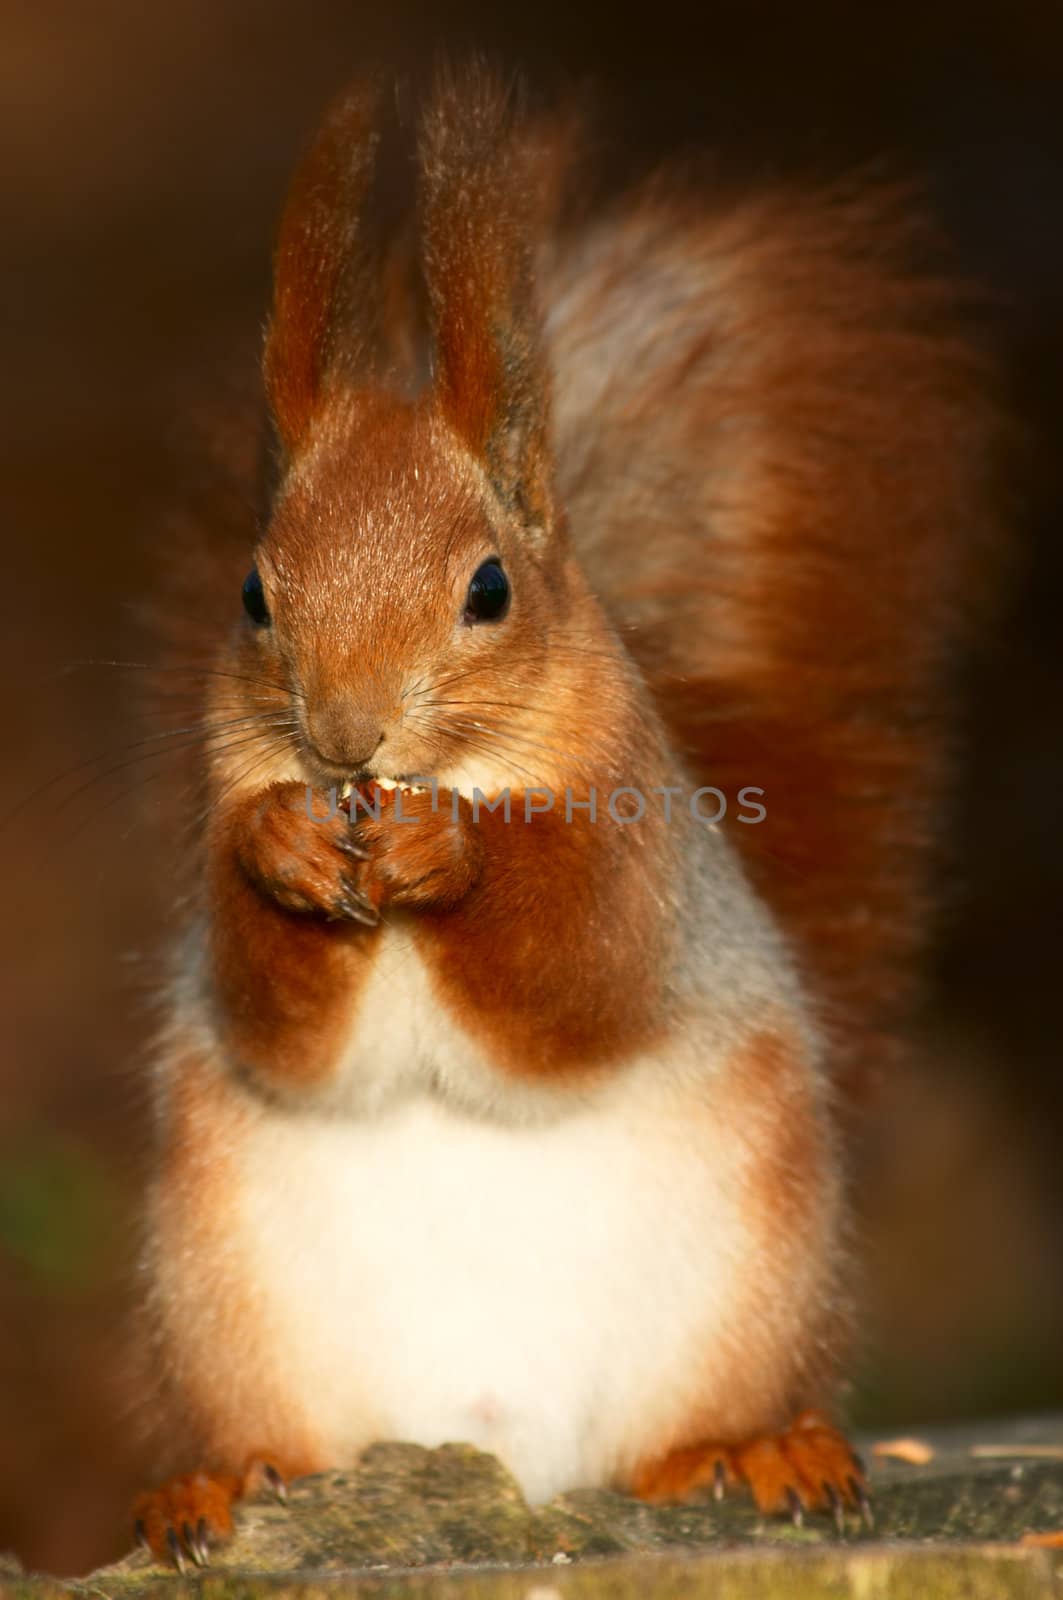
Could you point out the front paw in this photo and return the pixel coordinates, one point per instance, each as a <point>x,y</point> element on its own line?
<point>299,850</point>
<point>421,849</point>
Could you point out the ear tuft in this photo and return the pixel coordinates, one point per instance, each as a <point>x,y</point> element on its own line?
<point>321,258</point>
<point>479,201</point>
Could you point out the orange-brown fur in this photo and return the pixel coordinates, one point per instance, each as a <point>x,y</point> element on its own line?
<point>736,456</point>
<point>215,1404</point>
<point>557,999</point>
<point>320,262</point>
<point>775,1440</point>
<point>844,419</point>
<point>775,1370</point>
<point>281,981</point>
<point>231,1417</point>
<point>806,1465</point>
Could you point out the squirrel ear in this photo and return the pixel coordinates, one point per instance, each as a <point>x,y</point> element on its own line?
<point>478,174</point>
<point>321,262</point>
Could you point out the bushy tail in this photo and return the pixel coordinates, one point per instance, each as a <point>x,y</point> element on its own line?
<point>781,458</point>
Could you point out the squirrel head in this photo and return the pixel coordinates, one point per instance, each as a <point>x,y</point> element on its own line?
<point>413,588</point>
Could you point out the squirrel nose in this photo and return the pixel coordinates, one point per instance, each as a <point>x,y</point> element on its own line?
<point>343,735</point>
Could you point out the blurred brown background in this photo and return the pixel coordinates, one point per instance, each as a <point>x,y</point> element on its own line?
<point>144,151</point>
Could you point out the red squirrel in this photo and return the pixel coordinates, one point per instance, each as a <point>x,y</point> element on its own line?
<point>504,1090</point>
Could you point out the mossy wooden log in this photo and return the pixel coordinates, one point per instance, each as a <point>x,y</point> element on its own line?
<point>450,1524</point>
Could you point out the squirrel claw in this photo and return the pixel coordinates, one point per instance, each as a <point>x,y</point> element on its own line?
<point>202,1542</point>
<point>351,906</point>
<point>176,1553</point>
<point>863,1503</point>
<point>194,1540</point>
<point>836,1505</point>
<point>351,849</point>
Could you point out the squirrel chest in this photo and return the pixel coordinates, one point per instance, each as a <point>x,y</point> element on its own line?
<point>432,1270</point>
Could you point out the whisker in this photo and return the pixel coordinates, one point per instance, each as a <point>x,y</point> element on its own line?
<point>191,669</point>
<point>415,687</point>
<point>198,729</point>
<point>197,696</point>
<point>200,741</point>
<point>557,650</point>
<point>456,728</point>
<point>272,749</point>
<point>142,783</point>
<point>244,773</point>
<point>503,705</point>
<point>513,737</point>
<point>485,748</point>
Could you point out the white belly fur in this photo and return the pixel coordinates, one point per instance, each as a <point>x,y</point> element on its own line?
<point>537,1288</point>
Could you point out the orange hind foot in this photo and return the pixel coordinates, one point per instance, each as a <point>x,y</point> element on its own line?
<point>185,1516</point>
<point>808,1467</point>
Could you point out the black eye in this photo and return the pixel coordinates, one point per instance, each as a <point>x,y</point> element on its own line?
<point>488,597</point>
<point>255,599</point>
